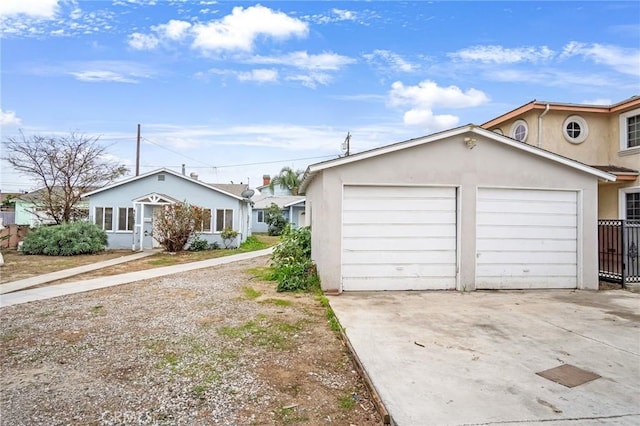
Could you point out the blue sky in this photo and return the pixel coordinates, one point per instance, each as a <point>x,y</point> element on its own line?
<point>235,90</point>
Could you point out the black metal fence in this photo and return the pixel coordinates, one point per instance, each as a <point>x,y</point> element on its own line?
<point>619,251</point>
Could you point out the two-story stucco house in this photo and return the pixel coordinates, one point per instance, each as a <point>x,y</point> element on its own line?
<point>605,137</point>
<point>126,209</point>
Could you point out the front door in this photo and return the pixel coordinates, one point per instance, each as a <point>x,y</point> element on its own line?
<point>156,211</point>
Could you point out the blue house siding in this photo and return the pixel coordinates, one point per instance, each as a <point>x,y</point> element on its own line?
<point>164,187</point>
<point>290,212</point>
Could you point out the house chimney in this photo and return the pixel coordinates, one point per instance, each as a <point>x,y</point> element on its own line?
<point>184,173</point>
<point>266,180</point>
<point>193,175</point>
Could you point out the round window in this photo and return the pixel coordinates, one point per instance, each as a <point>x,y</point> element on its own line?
<point>519,130</point>
<point>575,129</point>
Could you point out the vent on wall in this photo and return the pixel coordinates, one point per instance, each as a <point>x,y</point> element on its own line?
<point>160,177</point>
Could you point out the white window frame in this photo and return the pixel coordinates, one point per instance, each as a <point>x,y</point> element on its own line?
<point>624,133</point>
<point>584,129</point>
<point>204,230</point>
<point>260,217</point>
<point>224,220</point>
<point>102,225</point>
<point>622,200</point>
<point>126,222</point>
<point>514,128</point>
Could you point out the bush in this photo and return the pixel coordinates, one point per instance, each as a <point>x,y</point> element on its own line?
<point>291,261</point>
<point>175,224</point>
<point>274,217</point>
<point>67,239</point>
<point>228,235</point>
<point>198,244</point>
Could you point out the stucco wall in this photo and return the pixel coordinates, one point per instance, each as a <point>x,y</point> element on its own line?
<point>449,163</point>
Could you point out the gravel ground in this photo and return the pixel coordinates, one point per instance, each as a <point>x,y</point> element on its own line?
<point>210,347</point>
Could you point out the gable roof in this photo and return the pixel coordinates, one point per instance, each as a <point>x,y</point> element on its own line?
<point>313,169</point>
<point>632,102</point>
<point>264,201</point>
<point>224,189</point>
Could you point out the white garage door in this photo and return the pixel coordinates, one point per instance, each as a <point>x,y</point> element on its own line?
<point>526,239</point>
<point>398,238</point>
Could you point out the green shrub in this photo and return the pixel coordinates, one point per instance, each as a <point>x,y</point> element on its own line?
<point>67,239</point>
<point>228,236</point>
<point>291,261</point>
<point>198,244</point>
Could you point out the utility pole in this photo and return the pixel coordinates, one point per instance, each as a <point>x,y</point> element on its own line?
<point>138,153</point>
<point>346,143</point>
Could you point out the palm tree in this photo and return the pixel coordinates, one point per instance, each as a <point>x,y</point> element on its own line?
<point>287,179</point>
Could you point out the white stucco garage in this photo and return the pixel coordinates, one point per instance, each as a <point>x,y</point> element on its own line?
<point>463,209</point>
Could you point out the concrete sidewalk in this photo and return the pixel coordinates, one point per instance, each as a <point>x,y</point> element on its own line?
<point>66,273</point>
<point>52,291</point>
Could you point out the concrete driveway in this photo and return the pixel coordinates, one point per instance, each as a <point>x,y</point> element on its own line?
<point>449,358</point>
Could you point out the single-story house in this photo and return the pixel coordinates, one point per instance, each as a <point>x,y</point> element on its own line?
<point>463,209</point>
<point>126,209</point>
<point>29,209</point>
<point>292,207</point>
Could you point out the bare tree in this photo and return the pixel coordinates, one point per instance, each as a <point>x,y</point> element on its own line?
<point>64,167</point>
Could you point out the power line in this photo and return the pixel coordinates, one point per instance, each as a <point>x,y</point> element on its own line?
<point>175,152</point>
<point>246,164</point>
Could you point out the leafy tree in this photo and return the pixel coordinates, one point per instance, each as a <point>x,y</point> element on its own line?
<point>64,167</point>
<point>274,217</point>
<point>287,179</point>
<point>176,224</point>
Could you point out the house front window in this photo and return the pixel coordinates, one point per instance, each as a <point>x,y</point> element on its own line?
<point>205,225</point>
<point>520,130</point>
<point>126,218</point>
<point>575,129</point>
<point>224,219</point>
<point>632,205</point>
<point>260,216</point>
<point>104,218</point>
<point>630,130</point>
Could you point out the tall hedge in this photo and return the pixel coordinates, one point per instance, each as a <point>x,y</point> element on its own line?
<point>67,239</point>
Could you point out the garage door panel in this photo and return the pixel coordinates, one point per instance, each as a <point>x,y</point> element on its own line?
<point>425,244</point>
<point>526,239</point>
<point>520,206</point>
<point>398,238</point>
<point>389,204</point>
<point>399,271</point>
<point>531,270</point>
<point>533,245</point>
<point>526,233</point>
<point>398,217</point>
<point>398,257</point>
<point>399,230</point>
<point>545,220</point>
<point>528,256</point>
<point>525,195</point>
<point>523,283</point>
<point>408,283</point>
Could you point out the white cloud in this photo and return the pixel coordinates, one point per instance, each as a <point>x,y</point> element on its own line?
<point>240,29</point>
<point>102,76</point>
<point>344,15</point>
<point>626,61</point>
<point>45,9</point>
<point>503,55</point>
<point>311,80</point>
<point>259,75</point>
<point>385,59</point>
<point>9,118</point>
<point>173,30</point>
<point>427,95</point>
<point>141,41</point>
<point>303,60</point>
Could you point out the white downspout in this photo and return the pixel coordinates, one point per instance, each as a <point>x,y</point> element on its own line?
<point>546,110</point>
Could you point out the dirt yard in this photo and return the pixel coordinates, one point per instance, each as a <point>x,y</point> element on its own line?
<point>216,346</point>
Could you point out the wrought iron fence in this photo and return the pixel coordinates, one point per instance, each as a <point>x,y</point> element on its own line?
<point>619,251</point>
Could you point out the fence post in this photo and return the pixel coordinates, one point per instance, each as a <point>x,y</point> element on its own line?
<point>623,272</point>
